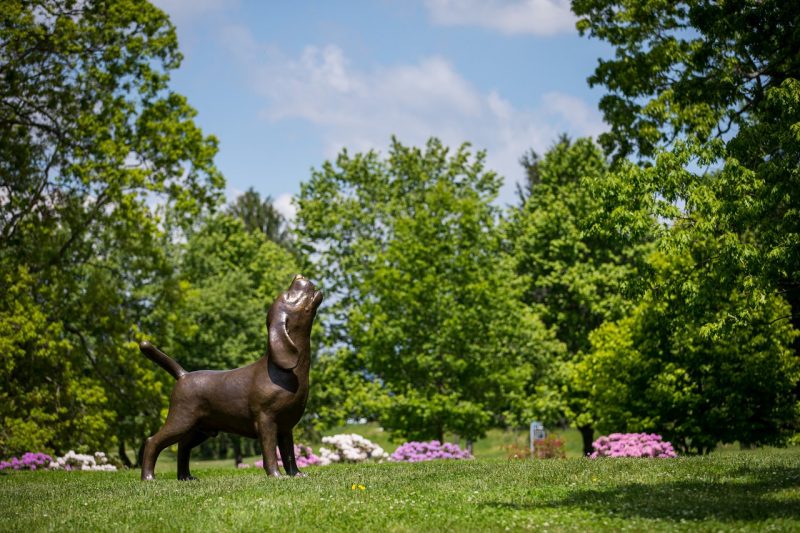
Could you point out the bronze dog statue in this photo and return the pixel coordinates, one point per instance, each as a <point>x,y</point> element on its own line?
<point>264,399</point>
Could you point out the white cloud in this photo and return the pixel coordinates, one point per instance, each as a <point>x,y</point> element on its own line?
<point>285,207</point>
<point>538,17</point>
<point>575,112</point>
<point>361,108</point>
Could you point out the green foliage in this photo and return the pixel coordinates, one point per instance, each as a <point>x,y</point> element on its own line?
<point>576,272</point>
<point>706,94</point>
<point>575,275</point>
<point>261,216</point>
<point>724,80</point>
<point>91,139</point>
<point>407,249</point>
<point>339,391</point>
<point>706,355</point>
<point>688,68</point>
<point>656,371</point>
<point>231,277</point>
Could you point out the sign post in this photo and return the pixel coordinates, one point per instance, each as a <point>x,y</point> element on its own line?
<point>537,433</point>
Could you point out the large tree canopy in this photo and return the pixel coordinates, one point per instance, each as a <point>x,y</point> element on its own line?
<point>659,370</point>
<point>696,67</point>
<point>92,144</point>
<point>706,97</point>
<point>407,248</point>
<point>717,83</point>
<point>575,275</point>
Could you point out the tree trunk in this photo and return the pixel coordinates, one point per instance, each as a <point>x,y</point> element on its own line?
<point>237,450</point>
<point>587,433</point>
<point>792,296</point>
<point>469,446</point>
<point>140,454</point>
<point>123,455</point>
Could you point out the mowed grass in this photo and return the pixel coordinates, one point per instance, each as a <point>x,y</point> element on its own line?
<point>756,490</point>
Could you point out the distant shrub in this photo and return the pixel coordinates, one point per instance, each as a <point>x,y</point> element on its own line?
<point>70,461</point>
<point>80,461</point>
<point>516,451</point>
<point>414,452</point>
<point>632,445</point>
<point>29,461</point>
<point>350,448</point>
<point>303,455</point>
<point>550,447</point>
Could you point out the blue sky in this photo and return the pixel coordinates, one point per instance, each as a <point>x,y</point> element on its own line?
<point>286,85</point>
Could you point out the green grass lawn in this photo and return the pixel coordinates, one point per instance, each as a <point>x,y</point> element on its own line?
<point>749,490</point>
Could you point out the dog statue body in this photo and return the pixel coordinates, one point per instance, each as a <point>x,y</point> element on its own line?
<point>263,400</point>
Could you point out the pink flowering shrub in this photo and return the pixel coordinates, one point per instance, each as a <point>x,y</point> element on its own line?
<point>29,461</point>
<point>632,445</point>
<point>303,455</point>
<point>414,452</point>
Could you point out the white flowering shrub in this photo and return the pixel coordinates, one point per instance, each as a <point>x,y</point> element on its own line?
<point>350,448</point>
<point>81,461</point>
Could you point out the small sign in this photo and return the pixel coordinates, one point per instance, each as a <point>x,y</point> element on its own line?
<point>537,433</point>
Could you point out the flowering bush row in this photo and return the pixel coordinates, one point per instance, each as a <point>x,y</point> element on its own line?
<point>632,445</point>
<point>80,461</point>
<point>29,461</point>
<point>70,461</point>
<point>350,448</point>
<point>414,452</point>
<point>303,455</point>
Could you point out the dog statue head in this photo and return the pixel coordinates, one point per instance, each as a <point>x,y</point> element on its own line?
<point>289,322</point>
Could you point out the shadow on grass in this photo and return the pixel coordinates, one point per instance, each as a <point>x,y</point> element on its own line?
<point>747,494</point>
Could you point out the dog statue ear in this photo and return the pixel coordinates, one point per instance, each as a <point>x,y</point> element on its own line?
<point>282,350</point>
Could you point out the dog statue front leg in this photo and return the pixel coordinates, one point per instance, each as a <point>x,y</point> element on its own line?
<point>268,433</point>
<point>286,447</point>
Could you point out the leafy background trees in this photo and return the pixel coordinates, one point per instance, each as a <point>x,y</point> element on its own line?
<point>646,284</point>
<point>693,95</point>
<point>91,139</point>
<point>575,276</point>
<point>407,246</point>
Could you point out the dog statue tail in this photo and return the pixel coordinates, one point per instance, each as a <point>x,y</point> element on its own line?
<point>163,360</point>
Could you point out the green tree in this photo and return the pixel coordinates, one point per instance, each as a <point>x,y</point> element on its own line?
<point>422,297</point>
<point>707,96</point>
<point>231,276</point>
<point>575,276</point>
<point>656,371</point>
<point>261,215</point>
<point>706,355</point>
<point>723,79</point>
<point>91,141</point>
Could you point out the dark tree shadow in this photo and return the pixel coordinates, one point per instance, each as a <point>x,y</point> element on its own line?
<point>747,494</point>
